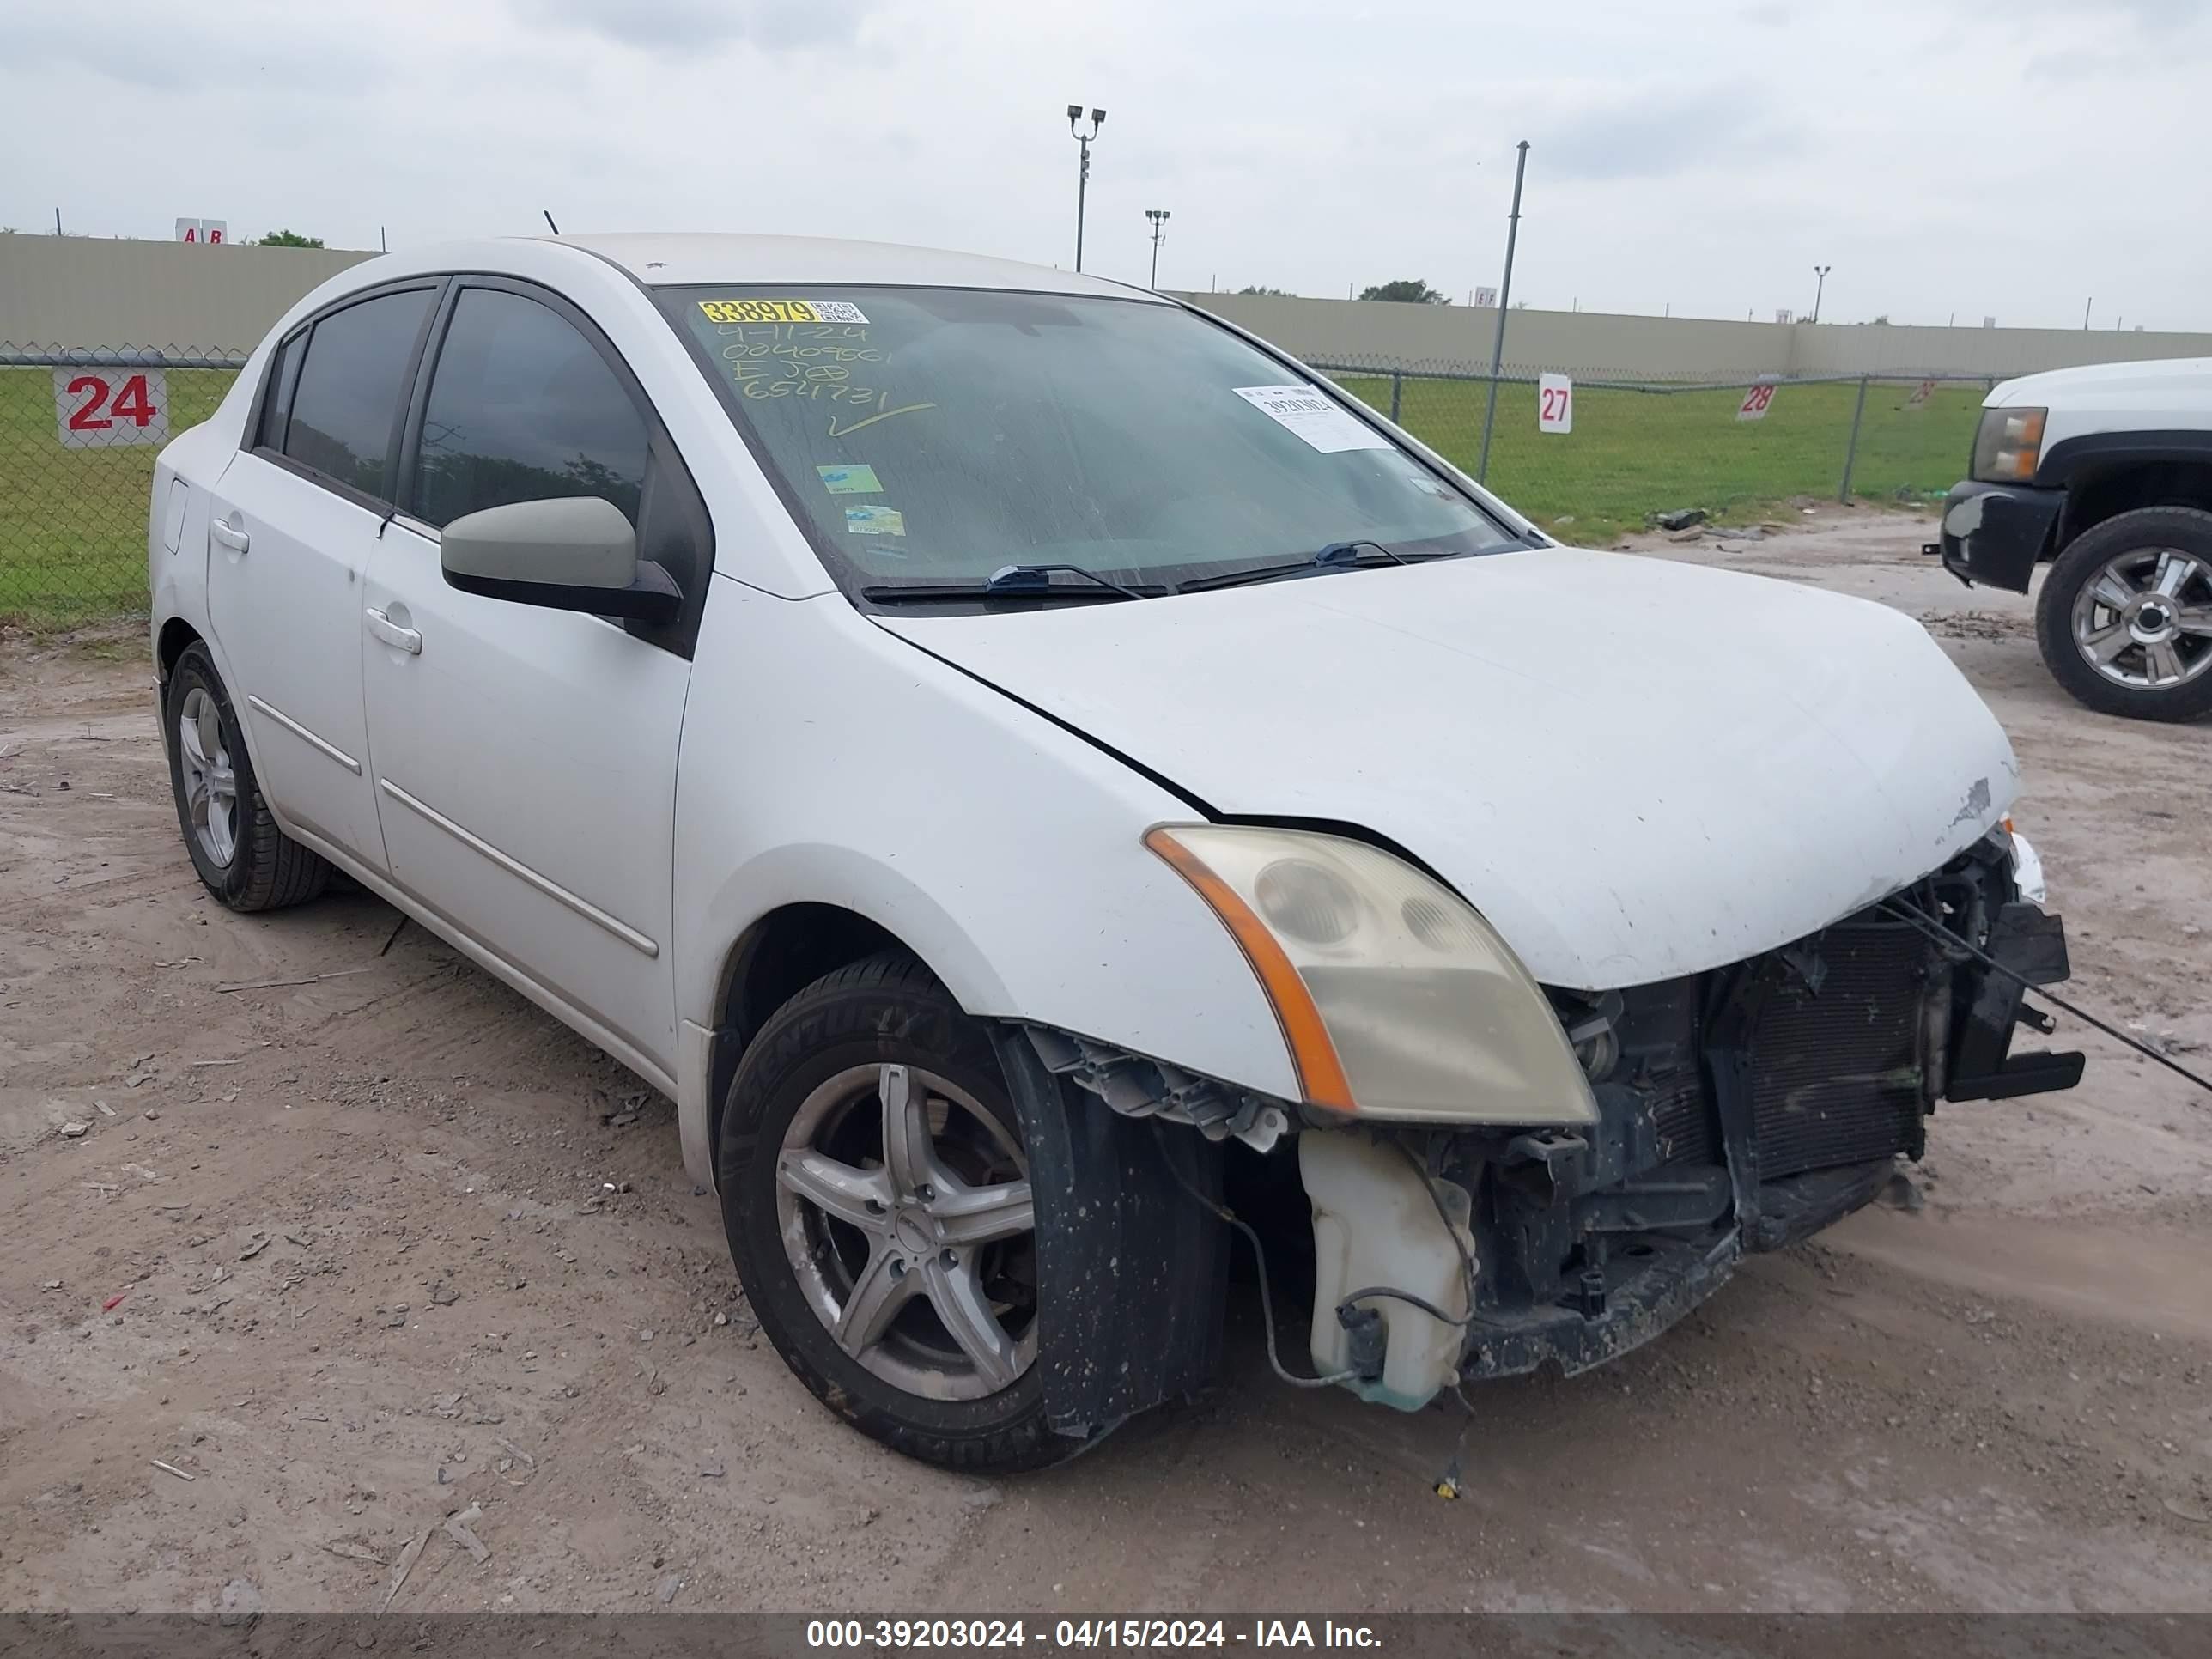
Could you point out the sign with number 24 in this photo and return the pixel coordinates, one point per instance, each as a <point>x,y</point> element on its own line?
<point>100,408</point>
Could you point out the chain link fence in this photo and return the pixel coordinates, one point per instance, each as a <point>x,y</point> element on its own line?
<point>79,430</point>
<point>1739,449</point>
<point>78,434</point>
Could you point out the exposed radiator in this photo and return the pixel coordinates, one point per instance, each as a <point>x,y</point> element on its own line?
<point>1836,1076</point>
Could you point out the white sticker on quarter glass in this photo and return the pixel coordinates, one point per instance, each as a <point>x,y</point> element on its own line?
<point>1313,416</point>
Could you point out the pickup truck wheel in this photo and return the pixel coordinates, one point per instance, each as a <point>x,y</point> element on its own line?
<point>243,857</point>
<point>876,1193</point>
<point>2124,619</point>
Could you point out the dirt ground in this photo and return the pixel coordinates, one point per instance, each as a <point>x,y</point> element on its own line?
<point>389,1242</point>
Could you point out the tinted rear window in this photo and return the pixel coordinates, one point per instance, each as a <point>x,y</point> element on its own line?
<point>347,401</point>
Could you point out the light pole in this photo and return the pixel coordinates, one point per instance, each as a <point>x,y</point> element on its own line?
<point>1505,300</point>
<point>1082,172</point>
<point>1821,271</point>
<point>1159,218</point>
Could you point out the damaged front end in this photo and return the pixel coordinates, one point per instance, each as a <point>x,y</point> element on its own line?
<point>1740,1110</point>
<point>1737,1110</point>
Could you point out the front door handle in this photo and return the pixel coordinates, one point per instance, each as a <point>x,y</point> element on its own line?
<point>406,638</point>
<point>236,540</point>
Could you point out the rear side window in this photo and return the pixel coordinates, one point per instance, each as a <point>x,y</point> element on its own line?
<point>523,408</point>
<point>283,380</point>
<point>346,401</point>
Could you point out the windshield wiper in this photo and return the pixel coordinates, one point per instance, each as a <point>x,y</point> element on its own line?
<point>1037,579</point>
<point>1015,581</point>
<point>1336,556</point>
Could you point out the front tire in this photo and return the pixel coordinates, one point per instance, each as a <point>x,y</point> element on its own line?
<point>242,855</point>
<point>2124,619</point>
<point>875,1190</point>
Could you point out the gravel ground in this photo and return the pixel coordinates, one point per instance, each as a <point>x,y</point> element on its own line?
<point>355,1239</point>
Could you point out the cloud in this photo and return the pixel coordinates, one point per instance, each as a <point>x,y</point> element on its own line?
<point>1722,128</point>
<point>691,25</point>
<point>160,48</point>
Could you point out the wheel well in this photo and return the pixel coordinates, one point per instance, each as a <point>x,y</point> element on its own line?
<point>777,957</point>
<point>2146,484</point>
<point>177,635</point>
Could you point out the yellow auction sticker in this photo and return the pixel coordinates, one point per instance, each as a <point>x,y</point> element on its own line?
<point>781,311</point>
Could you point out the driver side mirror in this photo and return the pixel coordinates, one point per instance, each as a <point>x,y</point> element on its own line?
<point>570,553</point>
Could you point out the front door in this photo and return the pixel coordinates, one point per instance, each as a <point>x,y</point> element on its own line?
<point>525,757</point>
<point>293,522</point>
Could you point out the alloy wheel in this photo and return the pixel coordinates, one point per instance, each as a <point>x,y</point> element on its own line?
<point>2145,620</point>
<point>211,780</point>
<point>906,1216</point>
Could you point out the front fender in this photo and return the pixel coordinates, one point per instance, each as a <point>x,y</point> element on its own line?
<point>824,760</point>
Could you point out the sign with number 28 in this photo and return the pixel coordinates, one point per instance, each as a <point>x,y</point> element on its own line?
<point>97,407</point>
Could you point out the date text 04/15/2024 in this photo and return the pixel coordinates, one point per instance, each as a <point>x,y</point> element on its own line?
<point>1085,1633</point>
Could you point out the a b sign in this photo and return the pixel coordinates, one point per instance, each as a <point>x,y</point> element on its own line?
<point>1756,401</point>
<point>1555,403</point>
<point>97,407</point>
<point>202,230</point>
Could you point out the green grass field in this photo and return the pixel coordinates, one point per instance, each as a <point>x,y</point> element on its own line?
<point>73,522</point>
<point>1634,453</point>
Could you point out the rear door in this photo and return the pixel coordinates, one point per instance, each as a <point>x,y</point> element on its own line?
<point>294,521</point>
<point>526,758</point>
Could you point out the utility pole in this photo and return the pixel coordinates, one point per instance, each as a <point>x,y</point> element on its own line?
<point>1504,304</point>
<point>1083,170</point>
<point>57,222</point>
<point>2085,304</point>
<point>1159,218</point>
<point>1818,289</point>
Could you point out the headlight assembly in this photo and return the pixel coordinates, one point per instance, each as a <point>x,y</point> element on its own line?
<point>2007,444</point>
<point>1397,1000</point>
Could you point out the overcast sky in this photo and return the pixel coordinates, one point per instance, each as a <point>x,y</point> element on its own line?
<point>1945,156</point>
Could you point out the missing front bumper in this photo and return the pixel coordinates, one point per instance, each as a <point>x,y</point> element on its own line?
<point>1654,1284</point>
<point>1751,1109</point>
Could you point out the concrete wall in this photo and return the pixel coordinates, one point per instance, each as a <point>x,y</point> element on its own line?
<point>1598,346</point>
<point>1458,337</point>
<point>1827,349</point>
<point>78,291</point>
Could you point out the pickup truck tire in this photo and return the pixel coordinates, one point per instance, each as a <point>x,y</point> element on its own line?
<point>240,853</point>
<point>2119,642</point>
<point>875,1191</point>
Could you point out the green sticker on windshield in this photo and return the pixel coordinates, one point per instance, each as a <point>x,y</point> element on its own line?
<point>850,480</point>
<point>874,521</point>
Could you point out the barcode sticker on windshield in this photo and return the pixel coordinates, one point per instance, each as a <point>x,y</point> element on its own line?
<point>1313,416</point>
<point>781,311</point>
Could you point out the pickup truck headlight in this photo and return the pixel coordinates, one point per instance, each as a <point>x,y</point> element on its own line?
<point>1397,1000</point>
<point>2007,444</point>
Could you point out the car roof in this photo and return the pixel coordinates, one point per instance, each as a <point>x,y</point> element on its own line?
<point>657,257</point>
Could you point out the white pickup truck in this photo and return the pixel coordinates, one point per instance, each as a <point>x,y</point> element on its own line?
<point>2105,472</point>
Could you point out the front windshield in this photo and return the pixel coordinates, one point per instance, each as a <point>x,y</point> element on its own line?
<point>936,435</point>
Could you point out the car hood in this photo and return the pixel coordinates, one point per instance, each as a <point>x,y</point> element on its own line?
<point>2165,382</point>
<point>1635,770</point>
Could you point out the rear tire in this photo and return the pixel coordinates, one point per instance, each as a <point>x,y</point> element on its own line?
<point>243,857</point>
<point>827,1218</point>
<point>2125,618</point>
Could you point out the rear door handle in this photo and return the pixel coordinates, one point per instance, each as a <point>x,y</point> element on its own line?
<point>406,638</point>
<point>236,540</point>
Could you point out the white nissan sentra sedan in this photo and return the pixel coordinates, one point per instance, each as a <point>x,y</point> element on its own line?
<point>1001,748</point>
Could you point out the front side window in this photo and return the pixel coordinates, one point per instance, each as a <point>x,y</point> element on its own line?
<point>345,403</point>
<point>522,408</point>
<point>937,435</point>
